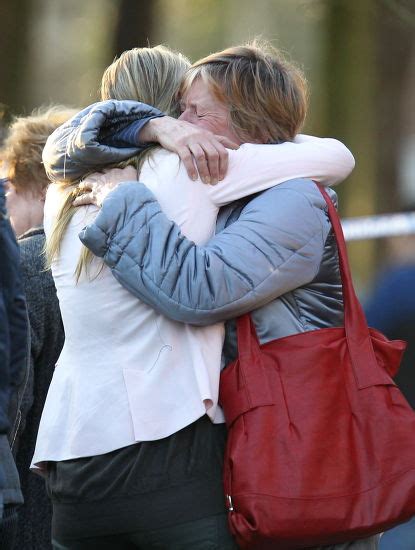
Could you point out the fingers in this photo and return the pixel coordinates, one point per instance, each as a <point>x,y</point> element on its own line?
<point>206,158</point>
<point>228,143</point>
<point>213,153</point>
<point>187,158</point>
<point>223,159</point>
<point>86,198</point>
<point>224,144</point>
<point>85,186</point>
<point>211,159</point>
<point>203,153</point>
<point>202,160</point>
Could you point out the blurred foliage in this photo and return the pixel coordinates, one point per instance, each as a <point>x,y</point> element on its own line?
<point>403,9</point>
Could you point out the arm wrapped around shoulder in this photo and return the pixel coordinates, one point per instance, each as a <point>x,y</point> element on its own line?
<point>82,144</point>
<point>275,246</point>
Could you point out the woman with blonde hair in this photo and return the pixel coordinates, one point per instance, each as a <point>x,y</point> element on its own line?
<point>132,434</point>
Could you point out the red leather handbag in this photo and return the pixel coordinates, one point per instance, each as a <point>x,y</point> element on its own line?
<point>321,443</point>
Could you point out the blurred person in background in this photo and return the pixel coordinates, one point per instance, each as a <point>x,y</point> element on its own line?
<point>14,368</point>
<point>391,306</point>
<point>391,309</point>
<point>226,277</point>
<point>26,184</point>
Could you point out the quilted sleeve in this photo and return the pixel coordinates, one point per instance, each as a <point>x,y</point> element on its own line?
<point>83,145</point>
<point>276,245</point>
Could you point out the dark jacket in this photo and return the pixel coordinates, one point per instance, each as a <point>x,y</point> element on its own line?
<point>47,337</point>
<point>14,340</point>
<point>391,309</point>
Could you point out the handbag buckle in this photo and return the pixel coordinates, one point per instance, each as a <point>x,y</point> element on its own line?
<point>230,503</point>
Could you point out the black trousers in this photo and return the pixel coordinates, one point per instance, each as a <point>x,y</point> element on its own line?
<point>8,527</point>
<point>203,534</point>
<point>156,494</point>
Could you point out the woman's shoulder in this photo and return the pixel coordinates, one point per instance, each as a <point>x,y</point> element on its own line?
<point>297,204</point>
<point>297,191</point>
<point>55,197</point>
<point>113,175</point>
<point>158,162</point>
<point>31,246</point>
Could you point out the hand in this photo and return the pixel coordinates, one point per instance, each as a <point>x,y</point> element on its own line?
<point>93,192</point>
<point>202,152</point>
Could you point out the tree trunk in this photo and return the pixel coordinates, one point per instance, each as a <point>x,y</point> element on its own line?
<point>135,25</point>
<point>351,113</point>
<point>15,18</point>
<point>395,47</point>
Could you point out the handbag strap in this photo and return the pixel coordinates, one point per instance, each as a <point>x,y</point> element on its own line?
<point>364,363</point>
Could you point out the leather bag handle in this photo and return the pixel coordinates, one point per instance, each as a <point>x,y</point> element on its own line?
<point>365,367</point>
<point>359,343</point>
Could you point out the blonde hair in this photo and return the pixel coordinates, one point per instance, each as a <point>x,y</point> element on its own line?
<point>150,75</point>
<point>21,152</point>
<point>266,95</point>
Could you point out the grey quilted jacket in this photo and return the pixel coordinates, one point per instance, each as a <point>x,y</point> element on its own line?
<point>274,253</point>
<point>79,146</point>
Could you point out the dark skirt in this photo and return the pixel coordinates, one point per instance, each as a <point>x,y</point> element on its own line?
<point>148,485</point>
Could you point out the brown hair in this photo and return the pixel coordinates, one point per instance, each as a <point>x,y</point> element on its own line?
<point>22,149</point>
<point>266,95</point>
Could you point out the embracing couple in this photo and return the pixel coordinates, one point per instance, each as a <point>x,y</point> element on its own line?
<point>160,233</point>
